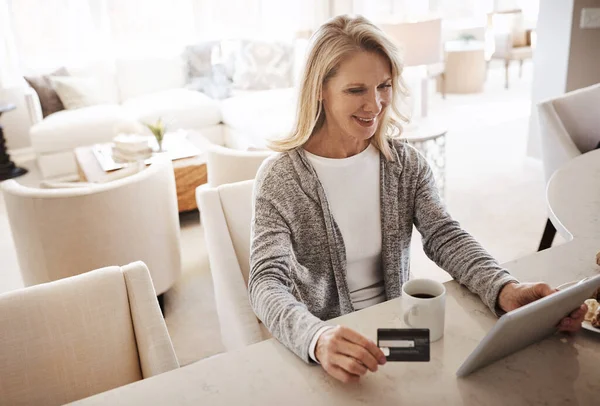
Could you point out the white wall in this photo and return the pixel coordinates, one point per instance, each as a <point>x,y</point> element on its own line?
<point>565,59</point>
<point>550,61</point>
<point>584,54</point>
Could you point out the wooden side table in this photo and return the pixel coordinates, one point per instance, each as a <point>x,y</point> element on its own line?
<point>8,169</point>
<point>465,66</point>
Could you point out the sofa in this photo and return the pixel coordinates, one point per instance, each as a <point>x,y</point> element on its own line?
<point>134,90</point>
<point>144,89</point>
<point>251,118</point>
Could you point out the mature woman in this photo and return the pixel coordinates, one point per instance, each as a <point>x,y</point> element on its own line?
<point>334,210</point>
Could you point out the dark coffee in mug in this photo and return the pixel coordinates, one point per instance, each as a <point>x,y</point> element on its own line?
<point>423,295</point>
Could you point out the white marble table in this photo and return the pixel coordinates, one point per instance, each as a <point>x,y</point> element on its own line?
<point>573,197</point>
<point>559,370</point>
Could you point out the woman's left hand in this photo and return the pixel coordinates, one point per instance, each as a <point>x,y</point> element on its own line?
<point>515,295</point>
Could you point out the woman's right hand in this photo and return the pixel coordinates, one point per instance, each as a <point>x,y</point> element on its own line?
<point>347,355</point>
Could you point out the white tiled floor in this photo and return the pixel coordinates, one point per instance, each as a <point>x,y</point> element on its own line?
<point>492,189</point>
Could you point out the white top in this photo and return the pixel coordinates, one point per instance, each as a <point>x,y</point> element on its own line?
<point>352,188</point>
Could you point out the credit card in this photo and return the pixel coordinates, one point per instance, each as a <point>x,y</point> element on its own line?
<point>404,344</point>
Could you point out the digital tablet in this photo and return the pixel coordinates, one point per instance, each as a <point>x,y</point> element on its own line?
<point>528,324</point>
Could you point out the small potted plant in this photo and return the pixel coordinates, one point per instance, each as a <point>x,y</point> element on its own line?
<point>158,130</point>
<point>467,37</point>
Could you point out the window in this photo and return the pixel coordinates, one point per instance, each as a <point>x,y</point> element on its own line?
<point>145,27</point>
<point>46,42</point>
<point>83,31</point>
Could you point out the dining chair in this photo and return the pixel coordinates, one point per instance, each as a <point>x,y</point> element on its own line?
<point>69,339</point>
<point>512,41</point>
<point>569,127</point>
<point>227,165</point>
<point>226,215</point>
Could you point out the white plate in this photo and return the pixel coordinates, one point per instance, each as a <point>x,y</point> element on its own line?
<point>586,324</point>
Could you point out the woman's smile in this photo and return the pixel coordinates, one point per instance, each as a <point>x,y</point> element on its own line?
<point>366,122</point>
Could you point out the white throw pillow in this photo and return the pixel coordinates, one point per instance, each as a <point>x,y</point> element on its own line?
<point>77,92</point>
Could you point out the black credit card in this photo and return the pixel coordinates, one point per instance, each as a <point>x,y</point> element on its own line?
<point>404,344</point>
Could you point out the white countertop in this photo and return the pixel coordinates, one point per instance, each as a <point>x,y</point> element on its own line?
<point>573,196</point>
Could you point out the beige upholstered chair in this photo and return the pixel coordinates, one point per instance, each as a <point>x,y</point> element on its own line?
<point>64,232</point>
<point>226,215</point>
<point>226,165</point>
<point>512,40</point>
<point>569,127</point>
<point>70,339</point>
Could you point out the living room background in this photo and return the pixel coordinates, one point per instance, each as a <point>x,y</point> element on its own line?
<point>37,37</point>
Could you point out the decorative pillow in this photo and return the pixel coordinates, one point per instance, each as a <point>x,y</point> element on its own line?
<point>204,73</point>
<point>77,92</point>
<point>263,65</point>
<point>49,100</point>
<point>199,59</point>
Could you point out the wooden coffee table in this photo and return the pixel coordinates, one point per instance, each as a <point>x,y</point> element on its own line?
<point>189,174</point>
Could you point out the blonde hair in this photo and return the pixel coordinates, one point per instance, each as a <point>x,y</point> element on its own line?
<point>330,44</point>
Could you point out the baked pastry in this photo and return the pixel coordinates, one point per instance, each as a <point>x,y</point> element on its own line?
<point>593,307</point>
<point>596,321</point>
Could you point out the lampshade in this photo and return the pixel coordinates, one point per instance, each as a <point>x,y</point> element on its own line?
<point>420,42</point>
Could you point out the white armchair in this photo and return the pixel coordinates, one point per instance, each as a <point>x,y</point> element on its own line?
<point>63,232</point>
<point>70,339</point>
<point>226,165</point>
<point>226,215</point>
<point>569,126</point>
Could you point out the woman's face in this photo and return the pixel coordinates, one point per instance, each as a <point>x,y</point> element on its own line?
<point>355,99</point>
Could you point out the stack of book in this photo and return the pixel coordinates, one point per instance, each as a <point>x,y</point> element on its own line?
<point>131,147</point>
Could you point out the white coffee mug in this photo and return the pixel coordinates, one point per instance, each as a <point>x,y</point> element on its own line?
<point>424,306</point>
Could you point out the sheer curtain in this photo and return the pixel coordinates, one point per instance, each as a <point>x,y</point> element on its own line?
<point>150,27</point>
<point>52,33</point>
<point>384,11</point>
<point>274,19</point>
<point>403,10</point>
<point>9,68</point>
